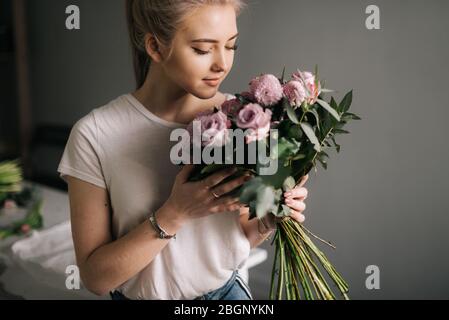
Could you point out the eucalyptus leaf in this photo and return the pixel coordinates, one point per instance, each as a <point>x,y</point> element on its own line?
<point>289,184</point>
<point>286,211</point>
<point>265,201</point>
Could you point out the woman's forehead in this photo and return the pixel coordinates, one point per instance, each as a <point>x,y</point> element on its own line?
<point>211,22</point>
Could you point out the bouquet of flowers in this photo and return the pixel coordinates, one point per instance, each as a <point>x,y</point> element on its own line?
<point>20,205</point>
<point>292,123</point>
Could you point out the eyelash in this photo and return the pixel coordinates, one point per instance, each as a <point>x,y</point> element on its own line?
<point>201,52</point>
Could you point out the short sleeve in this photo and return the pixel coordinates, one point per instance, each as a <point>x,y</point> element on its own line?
<point>82,158</point>
<point>229,96</point>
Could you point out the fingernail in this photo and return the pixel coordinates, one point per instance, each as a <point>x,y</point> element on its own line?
<point>287,194</point>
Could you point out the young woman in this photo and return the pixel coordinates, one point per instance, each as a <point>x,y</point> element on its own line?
<point>119,173</point>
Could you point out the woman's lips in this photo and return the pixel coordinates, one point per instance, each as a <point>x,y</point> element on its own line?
<point>212,83</point>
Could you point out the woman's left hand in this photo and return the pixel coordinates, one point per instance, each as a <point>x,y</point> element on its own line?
<point>294,199</point>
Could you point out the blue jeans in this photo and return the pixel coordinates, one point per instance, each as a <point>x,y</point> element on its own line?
<point>234,289</point>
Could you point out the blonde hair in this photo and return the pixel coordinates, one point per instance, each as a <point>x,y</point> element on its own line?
<point>161,18</point>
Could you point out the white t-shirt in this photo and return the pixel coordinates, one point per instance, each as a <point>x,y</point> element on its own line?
<point>125,148</point>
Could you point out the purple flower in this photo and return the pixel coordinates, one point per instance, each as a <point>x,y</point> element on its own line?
<point>312,87</point>
<point>231,107</point>
<point>253,117</point>
<point>214,128</point>
<point>266,89</point>
<point>295,92</point>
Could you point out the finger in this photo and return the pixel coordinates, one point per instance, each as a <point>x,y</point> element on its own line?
<point>297,193</point>
<point>298,216</point>
<point>225,204</point>
<point>231,185</point>
<point>185,172</point>
<point>303,181</point>
<point>297,205</point>
<point>218,177</point>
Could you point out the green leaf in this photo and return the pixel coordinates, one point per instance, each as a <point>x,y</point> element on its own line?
<point>345,103</point>
<point>308,130</point>
<point>337,146</point>
<point>329,109</point>
<point>341,131</point>
<point>350,116</point>
<point>286,211</point>
<point>289,184</point>
<point>250,189</point>
<point>291,113</point>
<point>323,163</point>
<point>317,117</point>
<point>295,132</point>
<point>265,201</point>
<point>283,76</point>
<point>299,157</point>
<point>286,147</point>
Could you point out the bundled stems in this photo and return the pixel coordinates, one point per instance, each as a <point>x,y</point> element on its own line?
<point>296,268</point>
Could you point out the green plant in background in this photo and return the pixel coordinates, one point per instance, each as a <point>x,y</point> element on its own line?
<point>10,178</point>
<point>12,191</point>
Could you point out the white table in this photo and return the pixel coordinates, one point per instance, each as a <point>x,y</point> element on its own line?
<point>16,283</point>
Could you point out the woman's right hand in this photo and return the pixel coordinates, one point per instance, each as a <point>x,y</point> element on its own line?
<point>192,200</point>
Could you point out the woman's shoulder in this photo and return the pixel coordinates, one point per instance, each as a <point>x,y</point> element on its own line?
<point>108,112</point>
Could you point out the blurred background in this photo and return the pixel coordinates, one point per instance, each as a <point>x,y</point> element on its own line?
<point>383,200</point>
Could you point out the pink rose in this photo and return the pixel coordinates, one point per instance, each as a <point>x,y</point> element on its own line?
<point>266,89</point>
<point>214,127</point>
<point>231,107</point>
<point>25,228</point>
<point>253,117</point>
<point>313,89</point>
<point>295,92</point>
<point>10,204</point>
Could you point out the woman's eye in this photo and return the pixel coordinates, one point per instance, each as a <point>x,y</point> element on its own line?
<point>201,52</point>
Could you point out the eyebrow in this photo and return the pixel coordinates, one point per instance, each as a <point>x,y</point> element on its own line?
<point>212,40</point>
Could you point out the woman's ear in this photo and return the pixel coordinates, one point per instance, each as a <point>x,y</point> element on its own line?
<point>152,47</point>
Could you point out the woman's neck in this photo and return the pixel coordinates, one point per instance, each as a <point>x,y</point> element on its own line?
<point>170,102</point>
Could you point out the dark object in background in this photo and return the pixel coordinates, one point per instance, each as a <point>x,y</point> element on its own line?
<point>47,147</point>
<point>6,42</point>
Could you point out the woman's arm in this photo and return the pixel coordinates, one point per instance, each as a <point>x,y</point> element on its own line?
<point>105,264</point>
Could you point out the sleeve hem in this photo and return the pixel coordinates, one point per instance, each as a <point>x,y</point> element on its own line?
<point>63,170</point>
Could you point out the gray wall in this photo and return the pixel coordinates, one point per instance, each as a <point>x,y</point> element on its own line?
<point>383,200</point>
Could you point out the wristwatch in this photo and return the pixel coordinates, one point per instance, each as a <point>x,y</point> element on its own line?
<point>161,232</point>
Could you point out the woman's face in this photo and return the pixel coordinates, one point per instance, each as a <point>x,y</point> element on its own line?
<point>203,49</point>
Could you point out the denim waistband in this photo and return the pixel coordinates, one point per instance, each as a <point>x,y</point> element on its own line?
<point>217,293</point>
<point>212,295</point>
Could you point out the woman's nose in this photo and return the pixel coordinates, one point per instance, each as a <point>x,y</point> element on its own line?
<point>220,64</point>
